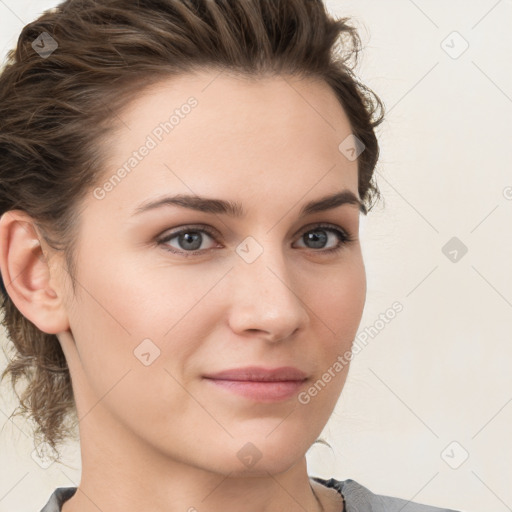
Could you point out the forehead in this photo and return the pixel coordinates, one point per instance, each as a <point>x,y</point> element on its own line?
<point>212,132</point>
<point>227,91</point>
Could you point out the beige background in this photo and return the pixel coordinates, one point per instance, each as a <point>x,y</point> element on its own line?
<point>434,384</point>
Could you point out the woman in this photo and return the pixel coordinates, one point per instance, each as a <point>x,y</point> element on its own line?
<point>181,189</point>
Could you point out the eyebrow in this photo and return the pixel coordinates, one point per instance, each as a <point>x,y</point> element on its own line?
<point>235,209</point>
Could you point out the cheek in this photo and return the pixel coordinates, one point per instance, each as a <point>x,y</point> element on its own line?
<point>129,321</point>
<point>336,304</point>
<point>337,300</point>
<point>132,300</point>
<point>131,374</point>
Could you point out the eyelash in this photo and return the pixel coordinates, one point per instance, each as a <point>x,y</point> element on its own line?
<point>343,236</point>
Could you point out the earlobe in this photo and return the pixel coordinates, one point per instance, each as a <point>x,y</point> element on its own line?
<point>26,273</point>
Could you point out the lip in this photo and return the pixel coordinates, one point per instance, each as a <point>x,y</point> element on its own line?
<point>260,384</point>
<point>260,374</point>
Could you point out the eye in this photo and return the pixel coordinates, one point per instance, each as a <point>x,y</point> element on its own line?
<point>188,241</point>
<point>318,238</point>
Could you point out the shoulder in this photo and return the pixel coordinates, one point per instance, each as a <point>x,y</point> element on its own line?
<point>360,499</point>
<point>59,496</point>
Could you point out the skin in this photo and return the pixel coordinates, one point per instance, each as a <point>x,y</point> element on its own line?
<point>160,437</point>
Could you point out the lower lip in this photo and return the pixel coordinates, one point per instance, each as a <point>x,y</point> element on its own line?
<point>259,390</point>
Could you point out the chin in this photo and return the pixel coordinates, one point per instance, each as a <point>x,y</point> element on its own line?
<point>260,455</point>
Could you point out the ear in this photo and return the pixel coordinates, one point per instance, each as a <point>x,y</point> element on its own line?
<point>26,273</point>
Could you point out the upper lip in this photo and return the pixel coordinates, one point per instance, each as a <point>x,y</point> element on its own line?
<point>259,374</point>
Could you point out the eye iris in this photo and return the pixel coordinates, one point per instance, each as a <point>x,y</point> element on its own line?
<point>190,237</point>
<point>313,236</point>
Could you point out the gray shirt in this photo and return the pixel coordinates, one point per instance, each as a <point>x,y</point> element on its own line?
<point>356,497</point>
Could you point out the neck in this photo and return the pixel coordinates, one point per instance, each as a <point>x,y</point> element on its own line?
<point>121,473</point>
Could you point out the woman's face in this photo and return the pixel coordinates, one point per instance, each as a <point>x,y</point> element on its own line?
<point>156,312</point>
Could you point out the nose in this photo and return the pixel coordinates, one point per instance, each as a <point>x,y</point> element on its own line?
<point>265,301</point>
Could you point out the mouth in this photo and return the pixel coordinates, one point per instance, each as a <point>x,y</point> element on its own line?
<point>260,384</point>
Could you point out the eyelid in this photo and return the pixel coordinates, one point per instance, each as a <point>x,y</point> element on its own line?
<point>319,225</point>
<point>190,227</point>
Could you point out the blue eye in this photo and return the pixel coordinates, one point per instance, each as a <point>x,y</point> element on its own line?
<point>319,238</point>
<point>190,239</point>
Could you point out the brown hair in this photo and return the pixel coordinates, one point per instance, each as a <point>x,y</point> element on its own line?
<point>56,108</point>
